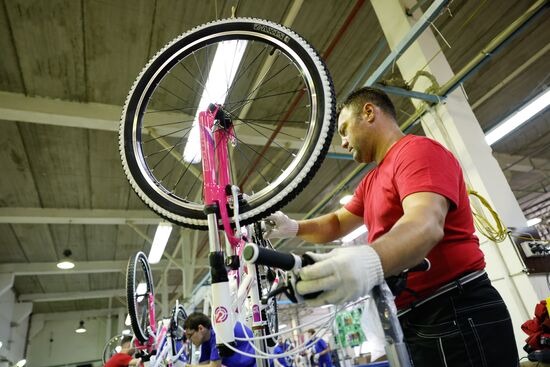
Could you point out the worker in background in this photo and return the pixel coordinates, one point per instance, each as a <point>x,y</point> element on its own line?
<point>415,205</point>
<point>124,358</point>
<point>320,350</point>
<point>280,348</point>
<point>198,329</point>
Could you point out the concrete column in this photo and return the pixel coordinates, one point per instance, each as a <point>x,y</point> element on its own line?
<point>454,125</point>
<point>120,321</point>
<point>108,322</point>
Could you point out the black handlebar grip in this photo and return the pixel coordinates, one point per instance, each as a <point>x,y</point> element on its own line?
<point>425,265</point>
<point>254,254</point>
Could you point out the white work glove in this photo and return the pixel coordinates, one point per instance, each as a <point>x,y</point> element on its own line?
<point>344,274</point>
<point>316,358</point>
<point>278,225</point>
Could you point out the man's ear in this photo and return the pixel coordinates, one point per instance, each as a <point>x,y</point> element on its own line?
<point>368,111</point>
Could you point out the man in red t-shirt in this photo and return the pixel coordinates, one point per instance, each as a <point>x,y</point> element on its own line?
<point>124,358</point>
<point>415,206</point>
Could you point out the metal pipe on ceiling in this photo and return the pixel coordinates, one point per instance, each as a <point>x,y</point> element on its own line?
<point>419,27</point>
<point>511,76</point>
<point>495,45</point>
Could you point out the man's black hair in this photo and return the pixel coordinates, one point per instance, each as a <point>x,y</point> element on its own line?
<point>195,319</point>
<point>357,99</point>
<point>126,339</point>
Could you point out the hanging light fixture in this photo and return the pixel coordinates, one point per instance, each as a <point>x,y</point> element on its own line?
<point>66,263</point>
<point>81,329</point>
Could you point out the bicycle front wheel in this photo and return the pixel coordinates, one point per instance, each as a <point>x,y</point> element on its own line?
<point>139,286</point>
<point>271,83</point>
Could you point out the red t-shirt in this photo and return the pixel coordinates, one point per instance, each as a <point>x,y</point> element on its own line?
<point>119,360</point>
<point>418,164</point>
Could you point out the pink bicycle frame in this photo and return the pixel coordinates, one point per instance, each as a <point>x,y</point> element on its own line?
<point>216,174</point>
<point>215,167</point>
<point>149,346</point>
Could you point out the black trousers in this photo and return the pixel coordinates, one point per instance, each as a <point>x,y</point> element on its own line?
<point>469,326</point>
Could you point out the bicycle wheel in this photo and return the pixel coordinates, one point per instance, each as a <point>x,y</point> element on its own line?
<point>139,285</point>
<point>176,326</point>
<point>276,90</point>
<point>110,348</point>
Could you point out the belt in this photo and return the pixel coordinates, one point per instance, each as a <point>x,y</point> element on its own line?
<point>446,288</point>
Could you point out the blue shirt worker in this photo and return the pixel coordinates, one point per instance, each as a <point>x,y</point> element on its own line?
<point>320,349</point>
<point>198,329</point>
<point>280,348</point>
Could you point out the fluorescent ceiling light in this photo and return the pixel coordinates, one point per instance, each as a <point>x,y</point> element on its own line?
<point>65,264</point>
<point>519,117</point>
<point>159,242</point>
<point>531,222</point>
<point>282,326</point>
<point>127,322</point>
<point>21,363</point>
<point>126,332</point>
<point>222,72</point>
<point>356,233</point>
<point>345,199</point>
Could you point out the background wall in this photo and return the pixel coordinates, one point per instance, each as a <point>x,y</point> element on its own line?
<point>57,343</point>
<point>13,326</point>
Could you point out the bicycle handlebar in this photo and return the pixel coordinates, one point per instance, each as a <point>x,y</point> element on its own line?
<point>425,265</point>
<point>255,254</point>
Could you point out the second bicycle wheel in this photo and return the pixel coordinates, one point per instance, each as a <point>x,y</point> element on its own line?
<point>139,286</point>
<point>270,82</point>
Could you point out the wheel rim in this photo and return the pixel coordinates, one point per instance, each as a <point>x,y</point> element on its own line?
<point>160,163</point>
<point>141,294</point>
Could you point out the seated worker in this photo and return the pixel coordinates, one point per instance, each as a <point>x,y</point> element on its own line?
<point>124,358</point>
<point>198,329</point>
<point>320,349</point>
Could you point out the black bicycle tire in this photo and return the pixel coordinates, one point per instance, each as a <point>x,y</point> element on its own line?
<point>138,259</point>
<point>296,181</point>
<point>174,324</point>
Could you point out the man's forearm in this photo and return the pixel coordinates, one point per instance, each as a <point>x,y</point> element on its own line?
<point>328,227</point>
<point>407,244</point>
<point>319,230</point>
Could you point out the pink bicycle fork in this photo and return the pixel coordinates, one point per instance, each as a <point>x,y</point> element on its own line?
<point>216,133</point>
<point>214,139</point>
